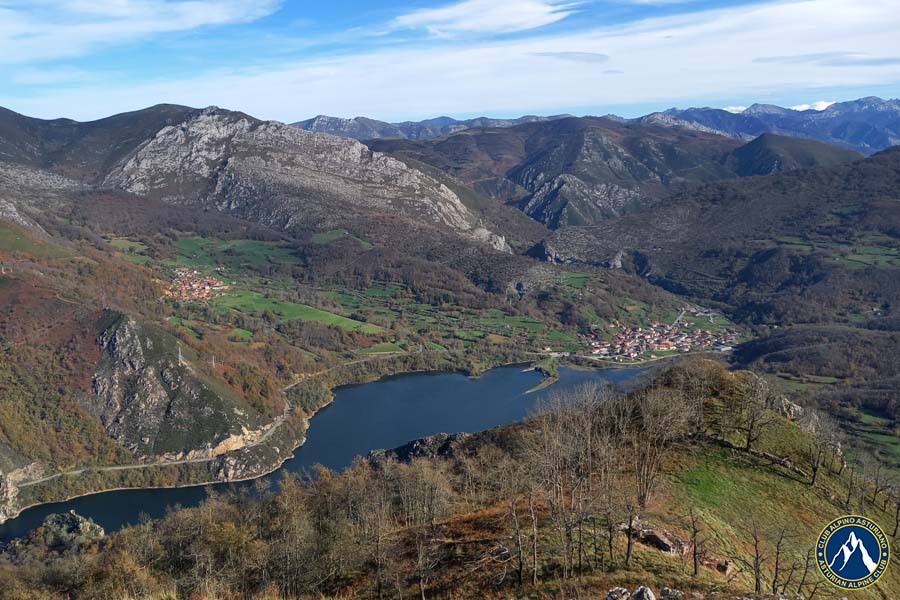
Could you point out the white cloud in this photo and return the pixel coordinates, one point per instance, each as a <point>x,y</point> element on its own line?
<point>585,57</point>
<point>820,105</point>
<point>734,109</point>
<point>34,30</point>
<point>54,76</point>
<point>485,16</point>
<point>669,60</point>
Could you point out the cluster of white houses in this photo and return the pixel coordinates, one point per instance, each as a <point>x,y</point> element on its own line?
<point>191,285</point>
<point>637,342</point>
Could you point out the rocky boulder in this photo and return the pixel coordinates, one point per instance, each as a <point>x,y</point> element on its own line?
<point>643,593</point>
<point>438,445</point>
<point>790,410</point>
<point>59,535</point>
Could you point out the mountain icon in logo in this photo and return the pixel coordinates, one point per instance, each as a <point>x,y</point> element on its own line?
<point>853,549</point>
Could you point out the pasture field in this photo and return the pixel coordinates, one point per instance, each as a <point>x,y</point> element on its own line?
<point>204,254</point>
<point>15,239</point>
<point>248,301</point>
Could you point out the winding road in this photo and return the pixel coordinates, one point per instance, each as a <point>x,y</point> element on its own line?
<point>273,427</point>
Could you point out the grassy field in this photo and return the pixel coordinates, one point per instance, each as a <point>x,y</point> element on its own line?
<point>383,348</point>
<point>805,382</point>
<point>469,334</point>
<point>500,320</point>
<point>876,432</point>
<point>204,254</point>
<point>869,250</point>
<point>333,235</point>
<point>16,239</point>
<point>575,280</point>
<point>247,301</point>
<point>132,251</point>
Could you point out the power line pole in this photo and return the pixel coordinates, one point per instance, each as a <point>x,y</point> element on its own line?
<point>180,359</point>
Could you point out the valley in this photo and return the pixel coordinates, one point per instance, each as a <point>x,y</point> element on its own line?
<point>186,293</point>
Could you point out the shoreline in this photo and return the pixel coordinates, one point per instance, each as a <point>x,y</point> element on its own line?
<point>547,381</point>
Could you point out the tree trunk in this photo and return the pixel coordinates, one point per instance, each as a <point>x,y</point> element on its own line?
<point>630,546</point>
<point>896,516</point>
<point>534,541</point>
<point>520,559</point>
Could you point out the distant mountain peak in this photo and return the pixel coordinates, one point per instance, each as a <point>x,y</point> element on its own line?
<point>363,128</point>
<point>866,125</point>
<point>766,109</point>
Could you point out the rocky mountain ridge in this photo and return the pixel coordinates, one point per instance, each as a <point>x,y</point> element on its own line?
<point>258,170</point>
<point>866,125</point>
<point>362,128</point>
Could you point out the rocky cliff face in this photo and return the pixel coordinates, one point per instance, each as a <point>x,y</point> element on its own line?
<point>152,404</point>
<point>8,494</point>
<point>9,487</point>
<point>285,177</point>
<point>24,191</point>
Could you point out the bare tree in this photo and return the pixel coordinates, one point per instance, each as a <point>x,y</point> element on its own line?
<point>760,557</point>
<point>851,480</point>
<point>423,496</point>
<point>823,440</point>
<point>879,476</point>
<point>894,495</point>
<point>568,451</point>
<point>534,538</point>
<point>697,539</point>
<point>631,511</point>
<point>781,540</point>
<point>750,412</point>
<point>515,487</point>
<point>660,419</point>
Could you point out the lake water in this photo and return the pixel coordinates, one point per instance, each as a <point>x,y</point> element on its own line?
<point>383,414</point>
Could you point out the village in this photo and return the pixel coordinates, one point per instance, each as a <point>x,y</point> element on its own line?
<point>633,343</point>
<point>191,286</point>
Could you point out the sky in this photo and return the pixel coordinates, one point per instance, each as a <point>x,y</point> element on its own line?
<point>293,59</point>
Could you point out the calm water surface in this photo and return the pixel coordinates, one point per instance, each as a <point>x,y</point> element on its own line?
<point>362,418</point>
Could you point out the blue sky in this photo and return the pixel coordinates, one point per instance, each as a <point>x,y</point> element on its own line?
<point>291,59</point>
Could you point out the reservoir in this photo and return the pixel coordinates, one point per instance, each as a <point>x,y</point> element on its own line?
<point>383,414</point>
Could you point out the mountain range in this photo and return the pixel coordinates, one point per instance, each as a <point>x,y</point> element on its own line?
<point>580,171</point>
<point>362,128</point>
<point>865,125</point>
